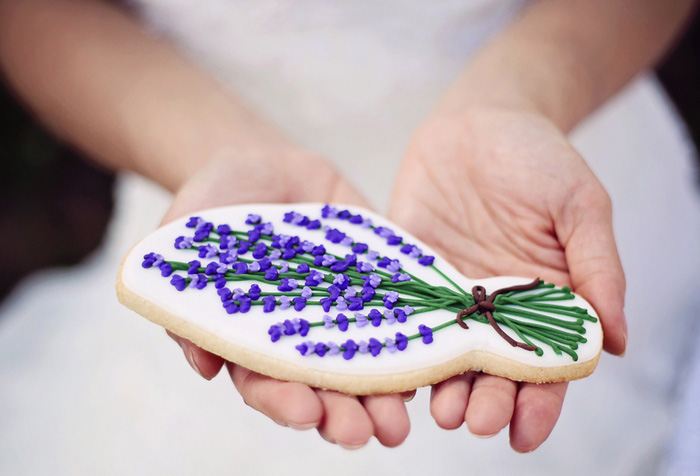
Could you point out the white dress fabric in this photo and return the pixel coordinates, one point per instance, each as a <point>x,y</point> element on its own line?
<point>91,388</point>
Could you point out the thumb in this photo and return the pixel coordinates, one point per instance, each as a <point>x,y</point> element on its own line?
<point>584,228</point>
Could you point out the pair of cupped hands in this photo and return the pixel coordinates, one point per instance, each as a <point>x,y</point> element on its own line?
<point>495,192</point>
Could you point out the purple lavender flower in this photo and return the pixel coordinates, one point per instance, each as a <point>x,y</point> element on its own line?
<point>333,291</point>
<point>225,294</point>
<point>299,303</point>
<point>272,274</point>
<point>237,294</point>
<point>328,260</point>
<point>275,254</point>
<point>254,267</point>
<point>393,266</point>
<point>265,264</point>
<point>275,332</point>
<point>303,268</point>
<point>373,280</point>
<point>355,219</point>
<point>326,303</point>
<point>383,231</point>
<point>426,332</point>
<point>231,307</point>
<point>390,344</point>
<point>375,347</point>
<point>350,349</point>
<point>207,251</point>
<point>179,282</point>
<point>289,329</point>
<point>333,348</point>
<point>321,349</point>
<point>359,248</point>
<point>329,212</point>
<point>408,310</point>
<point>243,247</point>
<point>341,304</point>
<point>253,219</point>
<point>390,299</point>
<point>201,234</point>
<point>360,320</point>
<point>285,302</point>
<point>347,241</point>
<point>401,341</point>
<point>304,349</point>
<point>340,266</point>
<point>376,317</point>
<point>342,321</point>
<point>306,292</point>
<point>313,225</point>
<point>383,262</point>
<point>260,251</point>
<point>152,259</point>
<point>227,242</point>
<point>366,223</point>
<point>220,283</point>
<point>401,315</point>
<point>223,229</point>
<point>400,278</point>
<point>254,292</point>
<point>241,268</point>
<point>268,303</point>
<point>288,284</point>
<point>368,293</point>
<point>289,253</point>
<point>350,292</point>
<point>244,304</point>
<point>319,250</point>
<point>389,316</point>
<point>364,267</point>
<point>166,269</point>
<point>355,303</point>
<point>228,257</point>
<point>426,260</point>
<point>194,267</point>
<point>194,222</point>
<point>335,236</point>
<point>394,240</point>
<point>183,242</point>
<point>362,347</point>
<point>328,321</point>
<point>342,281</point>
<point>415,252</point>
<point>314,278</point>
<point>198,281</point>
<point>265,228</point>
<point>372,255</point>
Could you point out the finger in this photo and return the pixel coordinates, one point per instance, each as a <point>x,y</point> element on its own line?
<point>289,403</point>
<point>449,399</point>
<point>536,412</point>
<point>490,405</point>
<point>594,264</point>
<point>345,420</point>
<point>204,363</point>
<point>389,418</point>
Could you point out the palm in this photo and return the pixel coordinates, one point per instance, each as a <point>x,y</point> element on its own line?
<point>502,193</point>
<point>349,421</point>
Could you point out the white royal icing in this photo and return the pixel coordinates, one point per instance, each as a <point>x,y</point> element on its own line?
<point>203,308</point>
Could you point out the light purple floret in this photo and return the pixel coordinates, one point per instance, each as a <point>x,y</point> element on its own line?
<point>328,260</point>
<point>341,305</point>
<point>310,347</point>
<point>275,254</point>
<point>237,293</point>
<point>363,347</point>
<point>372,255</point>
<point>333,348</point>
<point>284,268</point>
<point>390,344</point>
<point>350,292</point>
<point>394,266</point>
<point>285,302</point>
<point>306,293</point>
<point>328,321</point>
<point>366,223</point>
<point>347,241</point>
<point>408,310</point>
<point>392,296</point>
<point>361,320</point>
<point>254,267</point>
<point>390,317</point>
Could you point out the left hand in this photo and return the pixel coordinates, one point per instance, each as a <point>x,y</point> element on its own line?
<point>501,192</point>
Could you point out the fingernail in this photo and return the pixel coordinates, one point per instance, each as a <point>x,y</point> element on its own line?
<point>348,446</point>
<point>484,437</point>
<point>301,426</point>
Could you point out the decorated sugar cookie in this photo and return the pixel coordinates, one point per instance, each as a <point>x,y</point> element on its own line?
<point>340,298</point>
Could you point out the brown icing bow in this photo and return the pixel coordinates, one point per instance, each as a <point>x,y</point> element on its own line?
<point>485,306</point>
